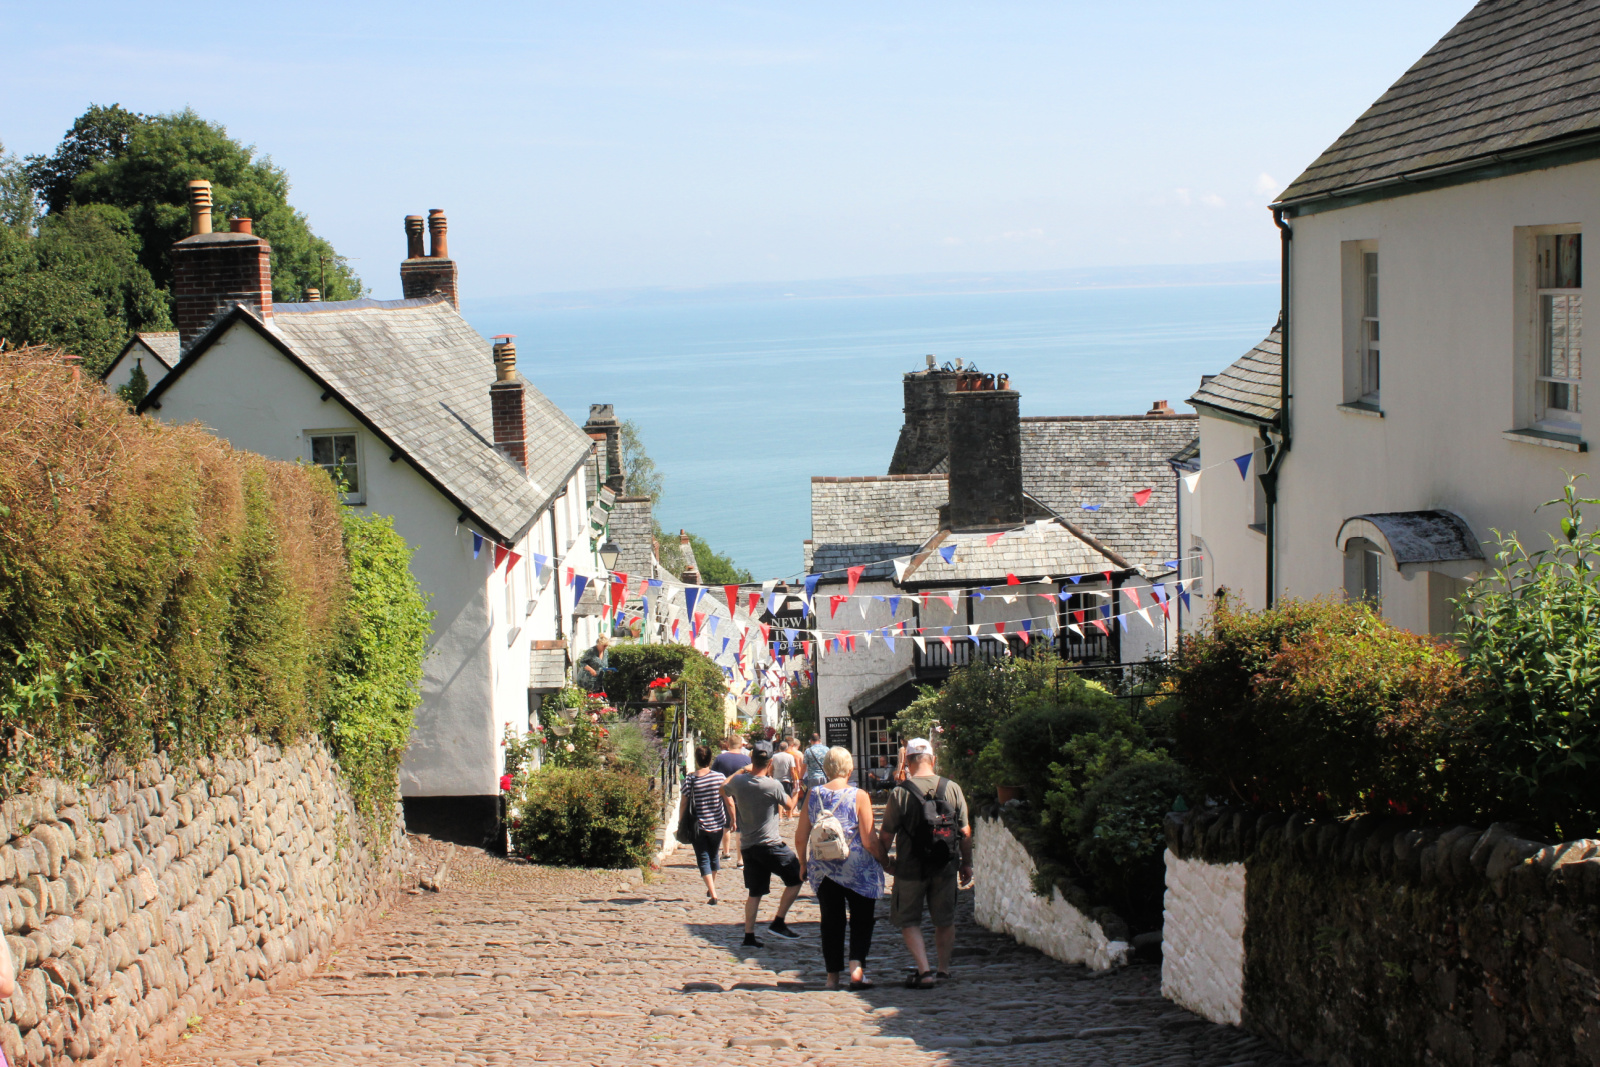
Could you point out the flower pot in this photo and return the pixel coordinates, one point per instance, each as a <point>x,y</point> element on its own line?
<point>1007,793</point>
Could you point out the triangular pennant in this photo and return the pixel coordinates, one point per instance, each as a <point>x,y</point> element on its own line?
<point>833,604</point>
<point>1192,481</point>
<point>1090,507</point>
<point>949,644</point>
<point>1123,620</point>
<point>732,593</point>
<point>867,637</point>
<point>715,620</point>
<point>1024,635</point>
<point>1133,594</point>
<point>888,639</point>
<point>1142,497</point>
<point>571,573</point>
<point>992,538</point>
<point>811,586</point>
<point>949,600</point>
<point>853,575</point>
<point>539,564</point>
<point>1076,578</point>
<point>921,643</point>
<point>579,583</point>
<point>894,606</point>
<point>1183,595</point>
<point>948,552</point>
<point>500,552</point>
<point>1243,463</point>
<point>477,543</point>
<point>1012,579</point>
<point>999,627</point>
<point>863,603</point>
<point>900,565</point>
<point>691,593</point>
<point>1102,627</point>
<point>512,559</point>
<point>754,602</point>
<point>725,641</point>
<point>1074,629</point>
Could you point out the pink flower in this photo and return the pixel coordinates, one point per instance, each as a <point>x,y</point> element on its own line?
<point>505,783</point>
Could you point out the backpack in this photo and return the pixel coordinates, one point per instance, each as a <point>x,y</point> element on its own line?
<point>931,825</point>
<point>828,840</point>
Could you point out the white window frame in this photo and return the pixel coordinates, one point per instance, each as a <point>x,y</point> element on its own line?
<point>1371,339</point>
<point>1363,571</point>
<point>1548,417</point>
<point>359,496</point>
<point>1362,290</point>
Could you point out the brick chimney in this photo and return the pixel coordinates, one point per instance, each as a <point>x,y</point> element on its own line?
<point>508,403</point>
<point>1160,408</point>
<point>213,271</point>
<point>424,275</point>
<point>985,434</point>
<point>924,440</point>
<point>604,427</point>
<point>691,568</point>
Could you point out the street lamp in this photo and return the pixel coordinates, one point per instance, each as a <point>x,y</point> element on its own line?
<point>608,555</point>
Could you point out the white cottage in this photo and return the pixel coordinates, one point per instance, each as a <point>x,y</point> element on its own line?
<point>1432,337</point>
<point>402,399</point>
<point>155,353</point>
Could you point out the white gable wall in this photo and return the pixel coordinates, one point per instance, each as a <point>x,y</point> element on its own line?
<point>1449,277</point>
<point>1221,514</point>
<point>475,680</point>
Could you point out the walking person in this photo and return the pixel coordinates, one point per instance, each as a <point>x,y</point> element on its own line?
<point>783,765</point>
<point>732,761</point>
<point>814,757</point>
<point>926,822</point>
<point>712,813</point>
<point>758,799</point>
<point>848,886</point>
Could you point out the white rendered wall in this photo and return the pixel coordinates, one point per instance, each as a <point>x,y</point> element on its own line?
<point>122,373</point>
<point>1202,938</point>
<point>1449,285</point>
<point>842,676</point>
<point>475,679</point>
<point>1221,514</point>
<point>1004,901</point>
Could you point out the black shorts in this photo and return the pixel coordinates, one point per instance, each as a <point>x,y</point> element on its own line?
<point>764,861</point>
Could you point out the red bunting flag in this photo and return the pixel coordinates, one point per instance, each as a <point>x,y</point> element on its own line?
<point>924,600</point>
<point>1012,579</point>
<point>850,640</point>
<point>1106,575</point>
<point>569,575</point>
<point>732,593</point>
<point>699,621</point>
<point>1142,497</point>
<point>854,575</point>
<point>499,555</point>
<point>949,644</point>
<point>999,627</point>
<point>513,557</point>
<point>620,578</point>
<point>950,600</point>
<point>675,627</point>
<point>755,600</point>
<point>807,646</point>
<point>1101,626</point>
<point>618,591</point>
<point>766,633</point>
<point>992,538</point>
<point>1078,615</point>
<point>644,587</point>
<point>1024,635</point>
<point>1133,595</point>
<point>833,604</point>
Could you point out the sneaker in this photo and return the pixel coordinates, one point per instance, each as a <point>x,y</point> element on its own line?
<point>779,928</point>
<point>751,941</point>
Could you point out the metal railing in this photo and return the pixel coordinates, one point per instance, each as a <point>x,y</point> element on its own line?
<point>1092,648</point>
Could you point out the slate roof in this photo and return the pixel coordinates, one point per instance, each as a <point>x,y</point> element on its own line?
<point>418,374</point>
<point>1251,387</point>
<point>547,665</point>
<point>864,520</point>
<point>1070,461</point>
<point>162,346</point>
<point>1418,537</point>
<point>1042,548</point>
<point>1512,76</point>
<point>633,533</point>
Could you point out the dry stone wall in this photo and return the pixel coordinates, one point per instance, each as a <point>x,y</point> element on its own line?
<point>1202,938</point>
<point>137,903</point>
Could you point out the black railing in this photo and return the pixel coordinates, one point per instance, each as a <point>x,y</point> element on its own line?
<point>936,658</point>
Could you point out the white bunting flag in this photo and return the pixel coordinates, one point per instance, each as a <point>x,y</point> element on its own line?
<point>972,627</point>
<point>922,643</point>
<point>862,602</point>
<point>1075,629</point>
<point>900,566</point>
<point>866,635</point>
<point>1009,599</point>
<point>1191,481</point>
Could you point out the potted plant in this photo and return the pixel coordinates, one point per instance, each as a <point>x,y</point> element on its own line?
<point>661,691</point>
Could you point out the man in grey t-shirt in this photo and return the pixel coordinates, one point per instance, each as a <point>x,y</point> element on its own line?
<point>783,765</point>
<point>759,799</point>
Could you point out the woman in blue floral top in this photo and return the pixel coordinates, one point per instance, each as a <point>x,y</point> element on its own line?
<point>848,889</point>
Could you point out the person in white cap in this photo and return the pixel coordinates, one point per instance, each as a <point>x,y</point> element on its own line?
<point>926,821</point>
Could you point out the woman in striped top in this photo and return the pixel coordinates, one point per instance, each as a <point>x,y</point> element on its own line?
<point>712,814</point>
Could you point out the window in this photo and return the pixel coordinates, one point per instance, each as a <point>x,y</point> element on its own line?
<point>1363,372</point>
<point>1444,616</point>
<point>1558,273</point>
<point>1363,571</point>
<point>336,453</point>
<point>883,752</point>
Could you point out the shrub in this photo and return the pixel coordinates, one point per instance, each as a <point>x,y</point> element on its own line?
<point>802,710</point>
<point>1531,633</point>
<point>634,667</point>
<point>585,818</point>
<point>1325,707</point>
<point>1031,739</point>
<point>1120,834</point>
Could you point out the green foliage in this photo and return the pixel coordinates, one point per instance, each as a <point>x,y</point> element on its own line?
<point>585,818</point>
<point>631,750</point>
<point>1531,633</point>
<point>714,567</point>
<point>1031,738</point>
<point>636,666</point>
<point>1120,835</point>
<point>18,211</point>
<point>137,386</point>
<point>97,136</point>
<point>644,478</point>
<point>376,676</point>
<point>802,710</point>
<point>1325,707</point>
<point>78,284</point>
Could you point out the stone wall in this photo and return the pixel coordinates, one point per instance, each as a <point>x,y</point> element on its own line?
<point>1202,938</point>
<point>1004,901</point>
<point>135,904</point>
<point>1384,942</point>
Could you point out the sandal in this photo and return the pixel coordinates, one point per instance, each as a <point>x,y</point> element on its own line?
<point>941,976</point>
<point>865,983</point>
<point>920,980</point>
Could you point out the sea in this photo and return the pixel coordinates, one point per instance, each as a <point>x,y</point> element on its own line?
<point>742,393</point>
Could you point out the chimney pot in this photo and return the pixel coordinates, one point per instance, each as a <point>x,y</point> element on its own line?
<point>1159,408</point>
<point>505,359</point>
<point>414,237</point>
<point>313,295</point>
<point>199,207</point>
<point>241,226</point>
<point>436,231</point>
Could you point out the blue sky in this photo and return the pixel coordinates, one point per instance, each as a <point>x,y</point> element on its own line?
<point>600,144</point>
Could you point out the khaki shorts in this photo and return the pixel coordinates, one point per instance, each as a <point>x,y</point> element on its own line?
<point>907,897</point>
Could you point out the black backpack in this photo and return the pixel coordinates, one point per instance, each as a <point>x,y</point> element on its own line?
<point>931,825</point>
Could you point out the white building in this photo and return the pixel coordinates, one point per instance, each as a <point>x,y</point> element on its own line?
<point>403,400</point>
<point>1434,286</point>
<point>155,353</point>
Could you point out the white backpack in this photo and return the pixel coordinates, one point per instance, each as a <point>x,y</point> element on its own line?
<point>828,840</point>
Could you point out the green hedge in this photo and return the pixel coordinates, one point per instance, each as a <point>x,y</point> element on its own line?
<point>634,667</point>
<point>582,817</point>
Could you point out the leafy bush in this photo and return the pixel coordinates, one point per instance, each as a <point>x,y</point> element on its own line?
<point>634,667</point>
<point>585,818</point>
<point>1120,835</point>
<point>1325,707</point>
<point>802,709</point>
<point>1531,633</point>
<point>1031,739</point>
<point>376,677</point>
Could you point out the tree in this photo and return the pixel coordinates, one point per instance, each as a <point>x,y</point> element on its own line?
<point>17,209</point>
<point>147,172</point>
<point>138,385</point>
<point>98,135</point>
<point>644,477</point>
<point>714,567</point>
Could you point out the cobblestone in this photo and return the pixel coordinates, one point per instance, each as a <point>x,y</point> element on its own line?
<point>514,963</point>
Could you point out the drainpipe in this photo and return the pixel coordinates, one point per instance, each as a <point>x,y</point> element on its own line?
<point>1275,453</point>
<point>555,554</point>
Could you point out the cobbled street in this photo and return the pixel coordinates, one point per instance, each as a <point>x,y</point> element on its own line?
<point>514,964</point>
